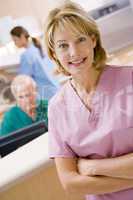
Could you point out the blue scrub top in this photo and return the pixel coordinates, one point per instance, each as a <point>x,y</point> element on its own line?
<point>38,68</point>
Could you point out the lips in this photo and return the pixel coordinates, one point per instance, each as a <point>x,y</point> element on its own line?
<point>77,63</point>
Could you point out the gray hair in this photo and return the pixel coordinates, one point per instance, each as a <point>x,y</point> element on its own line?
<point>22,81</point>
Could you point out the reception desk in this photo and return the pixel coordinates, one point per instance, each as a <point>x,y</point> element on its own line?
<point>29,174</point>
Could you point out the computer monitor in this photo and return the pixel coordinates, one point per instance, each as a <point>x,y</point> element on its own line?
<point>20,137</point>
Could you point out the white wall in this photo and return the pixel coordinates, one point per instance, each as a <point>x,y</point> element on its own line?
<point>40,9</point>
<point>19,8</point>
<point>131,2</point>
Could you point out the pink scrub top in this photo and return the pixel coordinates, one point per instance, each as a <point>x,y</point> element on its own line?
<point>105,132</point>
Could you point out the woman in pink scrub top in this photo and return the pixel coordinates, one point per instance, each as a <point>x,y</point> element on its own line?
<point>91,117</point>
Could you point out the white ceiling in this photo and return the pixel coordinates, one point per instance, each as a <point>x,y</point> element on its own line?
<point>91,4</point>
<point>94,4</point>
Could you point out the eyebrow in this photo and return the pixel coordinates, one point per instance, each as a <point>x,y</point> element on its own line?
<point>61,41</point>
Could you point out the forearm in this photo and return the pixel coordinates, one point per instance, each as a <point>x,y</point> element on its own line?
<point>82,185</point>
<point>121,167</point>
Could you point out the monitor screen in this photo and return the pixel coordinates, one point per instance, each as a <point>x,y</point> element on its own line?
<point>20,137</point>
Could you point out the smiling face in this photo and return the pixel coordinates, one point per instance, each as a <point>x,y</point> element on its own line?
<point>74,51</point>
<point>70,25</point>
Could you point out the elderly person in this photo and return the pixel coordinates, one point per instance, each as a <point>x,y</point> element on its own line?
<point>27,110</point>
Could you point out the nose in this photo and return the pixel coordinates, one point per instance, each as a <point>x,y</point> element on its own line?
<point>26,100</point>
<point>74,51</point>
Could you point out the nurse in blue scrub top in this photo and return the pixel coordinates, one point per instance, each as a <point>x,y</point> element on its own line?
<point>33,62</point>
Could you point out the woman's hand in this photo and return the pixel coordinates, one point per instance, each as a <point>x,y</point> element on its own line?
<point>87,167</point>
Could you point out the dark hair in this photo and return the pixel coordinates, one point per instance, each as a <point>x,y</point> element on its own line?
<point>7,94</point>
<point>5,90</point>
<point>19,30</point>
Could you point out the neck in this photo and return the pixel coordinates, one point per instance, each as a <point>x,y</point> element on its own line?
<point>86,81</point>
<point>27,43</point>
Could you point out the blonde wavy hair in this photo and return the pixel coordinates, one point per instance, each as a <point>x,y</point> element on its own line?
<point>72,15</point>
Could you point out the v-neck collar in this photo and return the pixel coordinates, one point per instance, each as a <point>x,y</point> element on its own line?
<point>95,97</point>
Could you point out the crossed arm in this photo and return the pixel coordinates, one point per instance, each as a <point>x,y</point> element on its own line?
<point>91,177</point>
<point>118,167</point>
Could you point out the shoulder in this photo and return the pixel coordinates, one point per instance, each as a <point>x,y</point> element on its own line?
<point>119,69</point>
<point>12,112</point>
<point>120,76</point>
<point>9,122</point>
<point>9,117</point>
<point>30,52</point>
<point>114,71</point>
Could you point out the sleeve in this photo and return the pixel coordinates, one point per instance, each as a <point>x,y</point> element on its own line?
<point>57,146</point>
<point>25,65</point>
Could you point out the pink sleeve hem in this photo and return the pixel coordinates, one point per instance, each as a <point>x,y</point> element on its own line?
<point>62,156</point>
